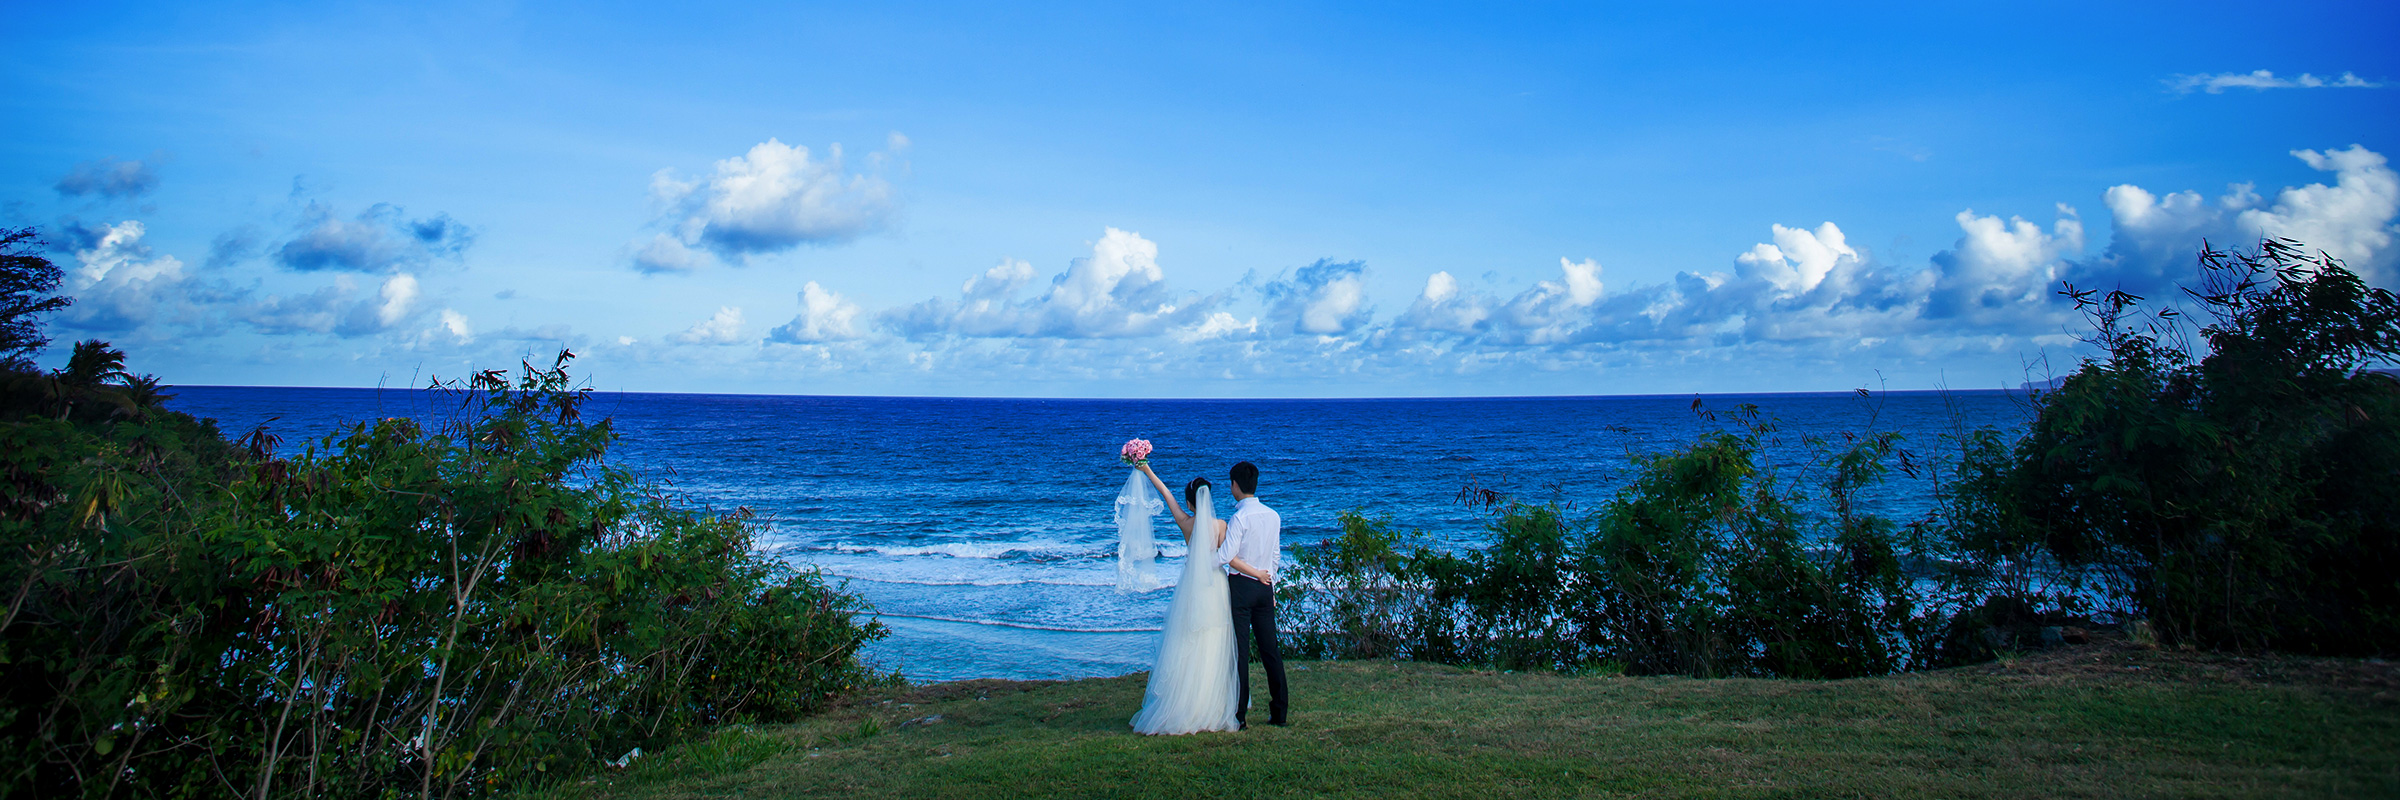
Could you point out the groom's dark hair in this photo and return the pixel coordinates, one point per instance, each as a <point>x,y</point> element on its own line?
<point>1191,493</point>
<point>1245,477</point>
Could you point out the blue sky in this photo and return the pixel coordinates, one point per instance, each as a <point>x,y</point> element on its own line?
<point>1273,200</point>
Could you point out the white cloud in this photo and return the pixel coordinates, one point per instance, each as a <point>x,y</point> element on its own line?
<point>1808,284</point>
<point>379,239</point>
<point>1118,291</point>
<point>986,306</point>
<point>773,198</point>
<point>1994,288</point>
<point>824,316</point>
<point>2002,267</point>
<point>1444,307</point>
<point>119,253</point>
<point>2350,220</point>
<point>665,253</point>
<point>724,328</point>
<point>2262,80</point>
<point>398,295</point>
<point>1552,311</point>
<point>2000,278</point>
<point>2157,235</point>
<point>118,284</point>
<point>1805,298</point>
<point>1327,298</point>
<point>1805,285</point>
<point>1219,325</point>
<point>1110,293</point>
<point>455,324</point>
<point>1800,259</point>
<point>338,309</point>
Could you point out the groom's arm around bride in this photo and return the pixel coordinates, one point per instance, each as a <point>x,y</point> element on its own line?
<point>1253,542</point>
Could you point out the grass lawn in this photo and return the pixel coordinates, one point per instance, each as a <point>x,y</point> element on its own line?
<point>2102,720</point>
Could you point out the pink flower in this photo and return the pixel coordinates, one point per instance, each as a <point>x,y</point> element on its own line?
<point>1135,451</point>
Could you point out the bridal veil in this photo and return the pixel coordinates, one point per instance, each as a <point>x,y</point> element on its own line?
<point>1194,680</point>
<point>1137,552</point>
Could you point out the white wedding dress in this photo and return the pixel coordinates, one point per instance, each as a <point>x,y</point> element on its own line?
<point>1193,682</point>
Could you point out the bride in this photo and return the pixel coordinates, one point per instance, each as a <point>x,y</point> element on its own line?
<point>1193,682</point>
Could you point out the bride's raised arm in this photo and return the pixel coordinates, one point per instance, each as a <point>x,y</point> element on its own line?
<point>1182,520</point>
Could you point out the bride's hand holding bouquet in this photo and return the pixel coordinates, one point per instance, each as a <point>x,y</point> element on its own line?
<point>1137,454</point>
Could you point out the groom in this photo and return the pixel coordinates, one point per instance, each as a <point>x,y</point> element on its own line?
<point>1253,540</point>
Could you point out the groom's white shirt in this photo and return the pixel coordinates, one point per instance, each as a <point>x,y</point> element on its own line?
<point>1253,534</point>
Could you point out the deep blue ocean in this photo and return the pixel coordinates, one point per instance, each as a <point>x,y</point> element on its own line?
<point>980,528</point>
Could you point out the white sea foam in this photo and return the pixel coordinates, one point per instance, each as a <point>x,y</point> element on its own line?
<point>1020,625</point>
<point>936,566</point>
<point>991,550</point>
<point>1104,581</point>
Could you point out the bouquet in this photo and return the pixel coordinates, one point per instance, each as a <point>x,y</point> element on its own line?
<point>1135,451</point>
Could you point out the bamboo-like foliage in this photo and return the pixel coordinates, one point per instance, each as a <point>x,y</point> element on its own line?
<point>2232,479</point>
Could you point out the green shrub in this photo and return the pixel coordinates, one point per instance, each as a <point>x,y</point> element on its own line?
<point>1355,595</point>
<point>2242,500</point>
<point>392,611</point>
<point>1707,564</point>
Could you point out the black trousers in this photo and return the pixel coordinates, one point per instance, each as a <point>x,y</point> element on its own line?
<point>1254,619</point>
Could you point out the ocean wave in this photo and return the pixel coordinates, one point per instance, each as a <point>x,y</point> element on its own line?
<point>1017,551</point>
<point>1097,581</point>
<point>1019,625</point>
<point>957,549</point>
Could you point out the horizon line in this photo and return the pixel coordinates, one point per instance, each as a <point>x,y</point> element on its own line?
<point>1655,395</point>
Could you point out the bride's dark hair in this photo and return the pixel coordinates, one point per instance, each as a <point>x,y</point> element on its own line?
<point>1191,493</point>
